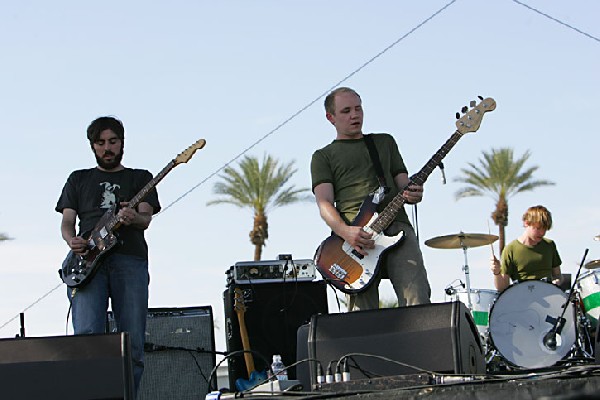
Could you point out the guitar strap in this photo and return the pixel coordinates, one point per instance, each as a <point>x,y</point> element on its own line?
<point>376,162</point>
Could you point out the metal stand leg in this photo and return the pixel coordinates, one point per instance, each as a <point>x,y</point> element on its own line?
<point>467,277</point>
<point>583,345</point>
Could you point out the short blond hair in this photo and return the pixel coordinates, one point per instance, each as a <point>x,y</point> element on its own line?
<point>538,216</point>
<point>330,99</point>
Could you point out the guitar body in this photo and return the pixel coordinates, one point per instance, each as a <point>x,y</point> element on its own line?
<point>256,378</point>
<point>345,268</point>
<point>78,270</point>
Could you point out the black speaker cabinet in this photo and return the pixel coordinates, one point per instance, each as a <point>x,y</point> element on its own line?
<point>66,367</point>
<point>272,312</point>
<point>179,353</point>
<point>438,337</point>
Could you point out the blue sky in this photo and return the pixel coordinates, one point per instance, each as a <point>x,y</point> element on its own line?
<point>233,72</point>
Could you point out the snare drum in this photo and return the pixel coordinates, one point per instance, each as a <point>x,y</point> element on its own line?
<point>481,301</point>
<point>522,316</point>
<point>590,295</point>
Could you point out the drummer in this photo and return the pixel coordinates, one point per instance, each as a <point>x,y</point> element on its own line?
<point>531,255</point>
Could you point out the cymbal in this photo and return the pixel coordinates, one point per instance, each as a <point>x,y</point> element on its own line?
<point>460,240</point>
<point>592,264</point>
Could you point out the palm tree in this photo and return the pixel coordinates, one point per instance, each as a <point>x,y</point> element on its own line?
<point>500,176</point>
<point>261,188</point>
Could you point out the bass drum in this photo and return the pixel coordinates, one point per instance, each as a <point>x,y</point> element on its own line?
<point>520,318</point>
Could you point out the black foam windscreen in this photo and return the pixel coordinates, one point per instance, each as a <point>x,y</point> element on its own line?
<point>439,337</point>
<point>179,353</point>
<point>66,367</point>
<point>273,312</point>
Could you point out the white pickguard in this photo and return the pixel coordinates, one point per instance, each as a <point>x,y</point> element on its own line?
<point>371,260</point>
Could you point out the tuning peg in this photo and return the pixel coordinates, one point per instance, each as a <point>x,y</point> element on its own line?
<point>472,104</point>
<point>457,116</point>
<point>464,109</point>
<point>480,98</point>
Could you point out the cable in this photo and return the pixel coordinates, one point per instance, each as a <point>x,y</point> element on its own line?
<point>557,20</point>
<point>31,305</point>
<point>286,121</point>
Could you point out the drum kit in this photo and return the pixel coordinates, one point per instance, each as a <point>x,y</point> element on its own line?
<point>532,323</point>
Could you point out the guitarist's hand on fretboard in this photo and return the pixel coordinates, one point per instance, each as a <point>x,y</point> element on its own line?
<point>413,194</point>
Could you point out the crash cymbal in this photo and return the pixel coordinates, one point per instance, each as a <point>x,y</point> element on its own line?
<point>593,264</point>
<point>460,240</point>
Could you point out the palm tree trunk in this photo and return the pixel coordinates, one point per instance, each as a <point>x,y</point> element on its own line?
<point>500,217</point>
<point>259,234</point>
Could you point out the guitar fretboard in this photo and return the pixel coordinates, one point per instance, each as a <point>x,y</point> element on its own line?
<point>385,218</point>
<point>137,199</point>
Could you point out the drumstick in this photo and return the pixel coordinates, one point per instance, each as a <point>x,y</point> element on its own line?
<point>491,244</point>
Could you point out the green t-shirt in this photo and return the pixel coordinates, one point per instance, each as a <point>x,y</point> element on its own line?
<point>523,262</point>
<point>347,165</point>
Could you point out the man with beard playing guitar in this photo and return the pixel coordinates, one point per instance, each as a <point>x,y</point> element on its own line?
<point>343,175</point>
<point>122,275</point>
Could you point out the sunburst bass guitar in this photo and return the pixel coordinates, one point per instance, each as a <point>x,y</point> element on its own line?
<point>348,270</point>
<point>77,270</point>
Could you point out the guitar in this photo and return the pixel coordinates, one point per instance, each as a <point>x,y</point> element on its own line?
<point>254,377</point>
<point>77,270</point>
<point>348,270</point>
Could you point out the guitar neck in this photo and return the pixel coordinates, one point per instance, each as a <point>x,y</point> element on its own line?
<point>137,199</point>
<point>385,218</point>
<point>245,342</point>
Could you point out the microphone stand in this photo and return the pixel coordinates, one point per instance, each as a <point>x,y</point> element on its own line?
<point>550,337</point>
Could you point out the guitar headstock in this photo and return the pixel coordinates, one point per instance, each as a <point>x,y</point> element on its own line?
<point>239,304</point>
<point>471,121</point>
<point>185,155</point>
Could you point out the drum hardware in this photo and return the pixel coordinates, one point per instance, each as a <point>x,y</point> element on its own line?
<point>597,237</point>
<point>462,241</point>
<point>451,289</point>
<point>550,337</point>
<point>592,264</point>
<point>584,348</point>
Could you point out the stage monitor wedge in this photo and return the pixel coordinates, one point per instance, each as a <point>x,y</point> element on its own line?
<point>439,337</point>
<point>78,367</point>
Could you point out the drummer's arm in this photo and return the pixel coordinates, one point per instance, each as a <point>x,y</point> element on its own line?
<point>557,277</point>
<point>501,281</point>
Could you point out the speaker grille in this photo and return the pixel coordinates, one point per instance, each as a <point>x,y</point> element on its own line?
<point>179,353</point>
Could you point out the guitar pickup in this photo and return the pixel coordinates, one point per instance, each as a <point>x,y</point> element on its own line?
<point>357,254</point>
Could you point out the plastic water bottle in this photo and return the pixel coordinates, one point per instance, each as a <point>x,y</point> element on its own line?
<point>278,368</point>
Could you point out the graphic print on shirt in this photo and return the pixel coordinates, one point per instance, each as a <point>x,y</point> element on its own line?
<point>109,195</point>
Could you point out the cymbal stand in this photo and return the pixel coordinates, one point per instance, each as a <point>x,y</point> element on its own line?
<point>467,278</point>
<point>583,346</point>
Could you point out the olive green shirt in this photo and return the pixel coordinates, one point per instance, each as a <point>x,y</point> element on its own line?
<point>347,165</point>
<point>521,262</point>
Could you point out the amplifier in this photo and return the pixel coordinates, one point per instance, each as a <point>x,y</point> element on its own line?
<point>272,271</point>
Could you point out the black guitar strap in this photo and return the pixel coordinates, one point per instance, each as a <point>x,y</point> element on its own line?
<point>376,163</point>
